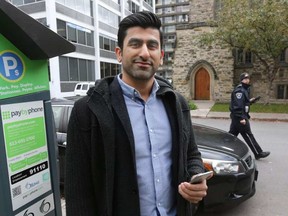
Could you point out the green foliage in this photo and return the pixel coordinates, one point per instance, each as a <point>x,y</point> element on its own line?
<point>258,108</point>
<point>192,106</point>
<point>259,26</point>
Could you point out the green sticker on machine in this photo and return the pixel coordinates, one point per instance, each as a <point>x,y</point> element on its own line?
<point>20,75</point>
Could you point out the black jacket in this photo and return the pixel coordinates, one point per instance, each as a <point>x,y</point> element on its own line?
<point>240,102</point>
<point>100,164</point>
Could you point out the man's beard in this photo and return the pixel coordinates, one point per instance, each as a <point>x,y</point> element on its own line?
<point>141,74</point>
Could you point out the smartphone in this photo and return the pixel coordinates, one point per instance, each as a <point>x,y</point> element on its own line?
<point>256,99</point>
<point>200,177</point>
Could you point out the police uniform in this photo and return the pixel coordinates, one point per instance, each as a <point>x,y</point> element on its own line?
<point>239,108</point>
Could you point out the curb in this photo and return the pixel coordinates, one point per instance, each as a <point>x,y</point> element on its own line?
<point>273,117</point>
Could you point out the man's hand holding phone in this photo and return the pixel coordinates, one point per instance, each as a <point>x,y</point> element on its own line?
<point>195,192</point>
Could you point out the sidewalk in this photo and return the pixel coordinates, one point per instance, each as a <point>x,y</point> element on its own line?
<point>204,107</point>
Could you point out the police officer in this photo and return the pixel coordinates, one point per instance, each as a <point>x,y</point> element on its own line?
<point>239,108</point>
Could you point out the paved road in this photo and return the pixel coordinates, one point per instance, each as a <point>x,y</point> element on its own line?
<point>272,186</point>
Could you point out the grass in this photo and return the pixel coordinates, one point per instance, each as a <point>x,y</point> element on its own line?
<point>258,108</point>
<point>192,106</point>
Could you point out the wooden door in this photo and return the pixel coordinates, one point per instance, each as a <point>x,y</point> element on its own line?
<point>202,85</point>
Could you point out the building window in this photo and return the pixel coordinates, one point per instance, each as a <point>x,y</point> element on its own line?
<point>108,17</point>
<point>183,8</point>
<point>109,69</point>
<point>218,5</point>
<point>107,44</point>
<point>164,2</point>
<point>83,67</point>
<point>167,29</point>
<point>159,11</point>
<point>64,69</point>
<point>28,1</point>
<point>74,33</point>
<point>183,18</point>
<point>132,6</point>
<point>83,6</point>
<point>168,56</point>
<point>150,2</point>
<point>243,57</point>
<point>282,92</point>
<point>168,10</point>
<point>169,19</point>
<point>73,69</point>
<point>23,2</point>
<point>169,38</point>
<point>168,47</point>
<point>283,56</point>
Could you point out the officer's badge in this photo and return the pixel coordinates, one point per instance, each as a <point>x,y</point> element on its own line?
<point>239,95</point>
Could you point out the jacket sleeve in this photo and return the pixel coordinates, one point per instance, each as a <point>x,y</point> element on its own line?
<point>194,160</point>
<point>237,104</point>
<point>79,192</point>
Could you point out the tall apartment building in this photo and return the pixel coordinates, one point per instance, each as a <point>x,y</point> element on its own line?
<point>91,25</point>
<point>171,13</point>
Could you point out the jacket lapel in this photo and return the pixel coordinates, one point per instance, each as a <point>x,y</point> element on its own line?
<point>118,104</point>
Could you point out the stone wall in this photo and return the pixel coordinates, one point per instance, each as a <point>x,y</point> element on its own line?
<point>190,56</point>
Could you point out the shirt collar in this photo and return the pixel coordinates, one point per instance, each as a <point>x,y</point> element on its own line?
<point>133,93</point>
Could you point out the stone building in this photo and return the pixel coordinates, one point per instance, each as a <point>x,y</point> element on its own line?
<point>211,72</point>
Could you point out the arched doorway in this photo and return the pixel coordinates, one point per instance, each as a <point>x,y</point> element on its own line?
<point>202,85</point>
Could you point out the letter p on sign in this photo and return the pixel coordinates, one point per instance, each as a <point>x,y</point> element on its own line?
<point>11,66</point>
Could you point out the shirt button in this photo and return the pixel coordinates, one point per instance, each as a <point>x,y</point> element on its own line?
<point>154,155</point>
<point>158,180</point>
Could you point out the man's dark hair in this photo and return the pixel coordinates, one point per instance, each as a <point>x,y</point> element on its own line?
<point>144,19</point>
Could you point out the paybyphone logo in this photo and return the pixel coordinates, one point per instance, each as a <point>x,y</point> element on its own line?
<point>18,113</point>
<point>11,66</point>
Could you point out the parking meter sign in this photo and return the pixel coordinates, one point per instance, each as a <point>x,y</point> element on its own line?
<point>26,151</point>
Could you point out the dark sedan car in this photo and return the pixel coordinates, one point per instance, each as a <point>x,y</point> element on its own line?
<point>228,157</point>
<point>234,168</point>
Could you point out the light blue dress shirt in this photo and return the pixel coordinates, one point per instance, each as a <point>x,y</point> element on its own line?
<point>153,151</point>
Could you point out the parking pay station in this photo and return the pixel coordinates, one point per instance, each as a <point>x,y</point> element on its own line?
<point>29,179</point>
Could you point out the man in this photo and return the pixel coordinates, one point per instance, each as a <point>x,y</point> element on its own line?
<point>239,108</point>
<point>130,145</point>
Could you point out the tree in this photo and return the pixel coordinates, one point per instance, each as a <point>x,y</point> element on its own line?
<point>258,26</point>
